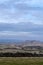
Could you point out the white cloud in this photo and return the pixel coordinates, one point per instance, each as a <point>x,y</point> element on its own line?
<point>11,33</point>
<point>19,34</point>
<point>10,13</point>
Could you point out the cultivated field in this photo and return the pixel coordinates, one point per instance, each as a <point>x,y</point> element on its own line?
<point>21,61</point>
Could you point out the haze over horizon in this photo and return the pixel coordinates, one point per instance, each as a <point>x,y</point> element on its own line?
<point>21,19</point>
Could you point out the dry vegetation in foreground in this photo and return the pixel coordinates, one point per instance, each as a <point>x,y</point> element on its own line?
<point>21,60</point>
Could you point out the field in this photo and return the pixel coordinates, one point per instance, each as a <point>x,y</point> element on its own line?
<point>21,61</point>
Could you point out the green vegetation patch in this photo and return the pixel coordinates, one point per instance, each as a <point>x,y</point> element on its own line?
<point>21,61</point>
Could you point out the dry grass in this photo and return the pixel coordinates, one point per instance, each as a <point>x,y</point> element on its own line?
<point>21,61</point>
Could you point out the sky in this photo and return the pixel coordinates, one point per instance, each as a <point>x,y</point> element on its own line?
<point>21,19</point>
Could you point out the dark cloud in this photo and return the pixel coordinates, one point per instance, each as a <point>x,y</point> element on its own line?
<point>25,27</point>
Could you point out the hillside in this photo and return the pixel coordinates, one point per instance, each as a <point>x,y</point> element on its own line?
<point>22,47</point>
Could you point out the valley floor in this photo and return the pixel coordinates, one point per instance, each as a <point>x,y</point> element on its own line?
<point>21,60</point>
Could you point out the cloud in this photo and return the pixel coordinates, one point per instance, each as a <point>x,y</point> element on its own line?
<point>22,26</point>
<point>14,11</point>
<point>20,35</point>
<point>21,31</point>
<point>21,19</point>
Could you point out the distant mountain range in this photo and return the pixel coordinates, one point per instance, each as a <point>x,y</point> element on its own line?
<point>21,42</point>
<point>32,43</point>
<point>9,41</point>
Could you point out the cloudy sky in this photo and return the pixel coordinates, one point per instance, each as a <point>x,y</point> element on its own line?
<point>21,19</point>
